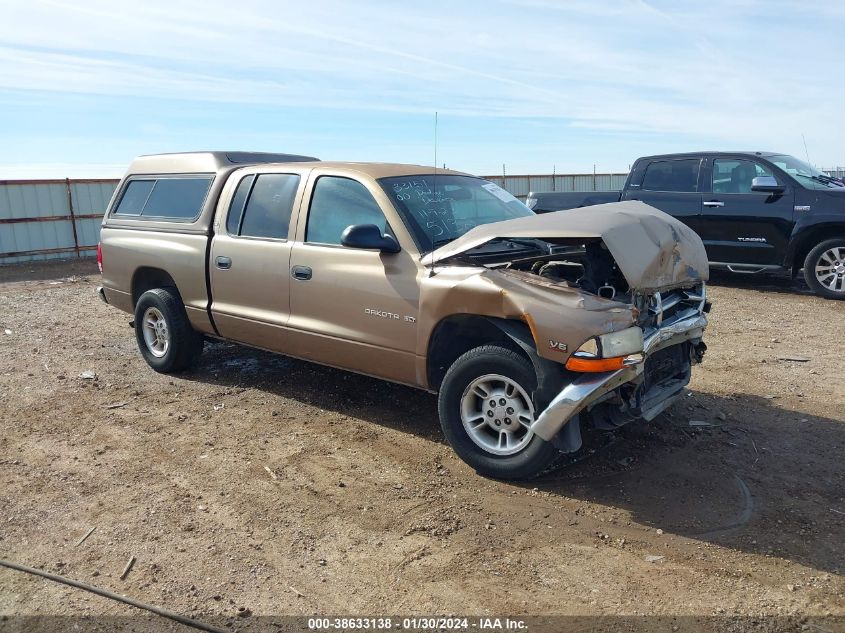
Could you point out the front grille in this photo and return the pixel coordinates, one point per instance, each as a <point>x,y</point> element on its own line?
<point>670,363</point>
<point>675,305</point>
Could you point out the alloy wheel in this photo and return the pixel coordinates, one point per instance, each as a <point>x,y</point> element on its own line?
<point>156,332</point>
<point>830,269</point>
<point>497,414</point>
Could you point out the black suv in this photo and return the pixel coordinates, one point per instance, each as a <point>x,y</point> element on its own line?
<point>755,211</point>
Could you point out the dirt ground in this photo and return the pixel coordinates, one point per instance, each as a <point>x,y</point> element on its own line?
<point>263,483</point>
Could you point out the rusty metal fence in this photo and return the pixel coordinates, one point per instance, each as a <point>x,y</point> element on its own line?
<point>56,219</point>
<point>51,219</point>
<point>521,185</point>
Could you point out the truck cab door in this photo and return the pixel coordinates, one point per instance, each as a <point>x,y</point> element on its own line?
<point>741,226</point>
<point>250,257</point>
<point>352,308</point>
<point>671,185</point>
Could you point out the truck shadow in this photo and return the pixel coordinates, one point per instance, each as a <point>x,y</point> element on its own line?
<point>761,282</point>
<point>49,270</point>
<point>764,480</point>
<point>758,478</point>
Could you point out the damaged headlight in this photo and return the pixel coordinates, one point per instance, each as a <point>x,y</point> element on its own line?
<point>608,352</point>
<point>621,343</point>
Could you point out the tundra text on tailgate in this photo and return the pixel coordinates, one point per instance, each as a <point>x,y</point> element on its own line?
<point>526,326</point>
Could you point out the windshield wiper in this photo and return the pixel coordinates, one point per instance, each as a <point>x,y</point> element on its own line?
<point>530,241</point>
<point>830,180</point>
<point>435,244</point>
<point>822,178</point>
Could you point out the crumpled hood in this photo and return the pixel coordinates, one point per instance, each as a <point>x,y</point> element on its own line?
<point>653,250</point>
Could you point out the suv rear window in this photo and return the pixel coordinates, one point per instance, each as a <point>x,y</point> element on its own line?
<point>179,198</point>
<point>672,175</point>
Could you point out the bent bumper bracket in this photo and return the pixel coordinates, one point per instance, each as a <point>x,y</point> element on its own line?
<point>590,387</point>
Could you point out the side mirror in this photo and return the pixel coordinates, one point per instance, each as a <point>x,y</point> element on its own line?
<point>766,184</point>
<point>369,236</point>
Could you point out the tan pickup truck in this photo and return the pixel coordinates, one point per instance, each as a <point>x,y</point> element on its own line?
<point>527,326</point>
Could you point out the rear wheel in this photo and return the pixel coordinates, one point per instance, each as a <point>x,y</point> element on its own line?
<point>486,411</point>
<point>165,337</point>
<point>824,269</point>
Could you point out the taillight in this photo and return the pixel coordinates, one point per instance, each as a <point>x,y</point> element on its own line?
<point>100,257</point>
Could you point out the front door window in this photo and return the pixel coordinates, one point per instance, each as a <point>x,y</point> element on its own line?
<point>736,176</point>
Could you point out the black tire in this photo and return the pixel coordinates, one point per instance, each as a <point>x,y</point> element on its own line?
<point>813,259</point>
<point>535,458</point>
<point>184,343</point>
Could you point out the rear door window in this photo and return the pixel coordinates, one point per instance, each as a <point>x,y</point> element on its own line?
<point>672,175</point>
<point>269,206</point>
<point>236,209</point>
<point>167,198</point>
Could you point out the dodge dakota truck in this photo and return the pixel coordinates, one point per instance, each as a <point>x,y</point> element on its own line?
<point>526,326</point>
<point>755,211</point>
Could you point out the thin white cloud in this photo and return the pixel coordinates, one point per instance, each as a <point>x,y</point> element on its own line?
<point>724,70</point>
<point>37,171</point>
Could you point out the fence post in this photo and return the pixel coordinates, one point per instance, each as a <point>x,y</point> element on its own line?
<point>72,217</point>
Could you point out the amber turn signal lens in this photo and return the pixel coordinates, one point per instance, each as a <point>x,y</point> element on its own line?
<point>595,364</point>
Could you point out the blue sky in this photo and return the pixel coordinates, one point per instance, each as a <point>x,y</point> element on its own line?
<point>535,84</point>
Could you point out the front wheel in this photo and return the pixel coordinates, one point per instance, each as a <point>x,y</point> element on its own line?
<point>486,411</point>
<point>824,269</point>
<point>165,337</point>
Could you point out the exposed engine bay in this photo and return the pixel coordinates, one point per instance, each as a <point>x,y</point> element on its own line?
<point>592,269</point>
<point>589,267</point>
<point>613,249</point>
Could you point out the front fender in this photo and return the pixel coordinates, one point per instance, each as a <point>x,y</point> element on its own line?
<point>809,231</point>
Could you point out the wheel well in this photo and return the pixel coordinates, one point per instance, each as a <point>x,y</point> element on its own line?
<point>815,237</point>
<point>456,335</point>
<point>148,278</point>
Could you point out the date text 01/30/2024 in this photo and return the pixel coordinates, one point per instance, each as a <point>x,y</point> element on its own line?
<point>417,624</point>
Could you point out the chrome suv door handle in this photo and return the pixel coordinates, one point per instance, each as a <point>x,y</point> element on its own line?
<point>713,203</point>
<point>224,263</point>
<point>302,273</point>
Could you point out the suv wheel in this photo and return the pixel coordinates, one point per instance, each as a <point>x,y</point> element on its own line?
<point>486,411</point>
<point>165,337</point>
<point>824,269</point>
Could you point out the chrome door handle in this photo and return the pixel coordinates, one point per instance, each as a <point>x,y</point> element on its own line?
<point>713,203</point>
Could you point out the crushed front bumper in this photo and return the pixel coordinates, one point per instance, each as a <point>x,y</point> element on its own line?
<point>589,388</point>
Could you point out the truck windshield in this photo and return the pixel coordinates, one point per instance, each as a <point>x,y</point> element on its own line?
<point>438,209</point>
<point>806,174</point>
